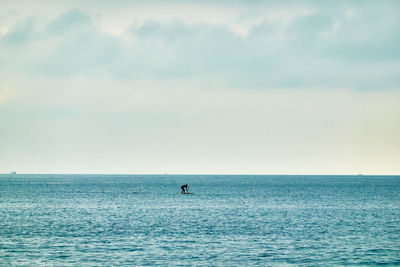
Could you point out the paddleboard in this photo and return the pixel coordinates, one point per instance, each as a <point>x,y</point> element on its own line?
<point>187,193</point>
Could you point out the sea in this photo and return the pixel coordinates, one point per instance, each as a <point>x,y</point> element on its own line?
<point>229,220</point>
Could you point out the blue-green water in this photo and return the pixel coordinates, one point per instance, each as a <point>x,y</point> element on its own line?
<point>62,220</point>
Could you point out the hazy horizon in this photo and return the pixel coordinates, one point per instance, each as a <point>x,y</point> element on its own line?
<point>205,174</point>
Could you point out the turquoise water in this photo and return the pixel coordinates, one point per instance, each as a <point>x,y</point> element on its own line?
<point>78,220</point>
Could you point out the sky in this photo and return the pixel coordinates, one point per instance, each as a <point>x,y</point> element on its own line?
<point>200,87</point>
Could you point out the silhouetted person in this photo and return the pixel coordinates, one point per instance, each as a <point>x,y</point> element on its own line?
<point>183,187</point>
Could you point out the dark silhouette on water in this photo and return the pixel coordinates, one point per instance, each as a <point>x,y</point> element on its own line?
<point>183,187</point>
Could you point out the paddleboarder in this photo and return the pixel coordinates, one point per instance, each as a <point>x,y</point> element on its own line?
<point>183,187</point>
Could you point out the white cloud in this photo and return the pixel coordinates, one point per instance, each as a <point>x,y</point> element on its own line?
<point>309,49</point>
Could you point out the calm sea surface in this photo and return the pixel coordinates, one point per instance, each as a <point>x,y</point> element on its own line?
<point>78,220</point>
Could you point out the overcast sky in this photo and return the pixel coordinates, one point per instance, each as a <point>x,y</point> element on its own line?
<point>236,87</point>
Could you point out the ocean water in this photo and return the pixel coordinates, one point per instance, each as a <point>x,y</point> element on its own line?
<point>139,220</point>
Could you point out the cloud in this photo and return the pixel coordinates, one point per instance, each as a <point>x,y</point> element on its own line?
<point>331,48</point>
<point>71,20</point>
<point>21,33</point>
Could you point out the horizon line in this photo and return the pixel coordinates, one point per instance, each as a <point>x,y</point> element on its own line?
<point>203,174</point>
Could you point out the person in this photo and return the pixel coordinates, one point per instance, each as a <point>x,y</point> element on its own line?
<point>183,187</point>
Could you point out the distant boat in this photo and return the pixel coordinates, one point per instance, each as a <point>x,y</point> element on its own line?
<point>13,172</point>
